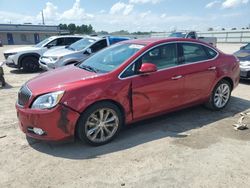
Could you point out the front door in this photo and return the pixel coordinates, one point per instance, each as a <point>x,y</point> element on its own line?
<point>10,38</point>
<point>160,90</point>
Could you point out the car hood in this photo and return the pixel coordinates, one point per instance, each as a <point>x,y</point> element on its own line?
<point>23,49</point>
<point>59,52</point>
<point>59,79</point>
<point>242,53</point>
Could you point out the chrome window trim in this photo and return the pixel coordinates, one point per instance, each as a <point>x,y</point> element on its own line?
<point>181,65</point>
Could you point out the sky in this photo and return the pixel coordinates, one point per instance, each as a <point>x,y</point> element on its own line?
<point>131,15</point>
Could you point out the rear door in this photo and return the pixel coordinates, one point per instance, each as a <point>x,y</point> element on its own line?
<point>160,90</point>
<point>198,70</point>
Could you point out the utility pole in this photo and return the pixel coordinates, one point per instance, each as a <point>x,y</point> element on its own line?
<point>43,18</point>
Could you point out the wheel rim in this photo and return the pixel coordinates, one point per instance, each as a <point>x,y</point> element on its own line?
<point>101,125</point>
<point>221,95</point>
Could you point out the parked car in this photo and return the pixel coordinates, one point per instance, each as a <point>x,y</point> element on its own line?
<point>76,52</point>
<point>244,56</point>
<point>27,57</point>
<point>193,35</point>
<point>125,83</point>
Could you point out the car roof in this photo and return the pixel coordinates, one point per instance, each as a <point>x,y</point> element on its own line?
<point>69,36</point>
<point>152,41</point>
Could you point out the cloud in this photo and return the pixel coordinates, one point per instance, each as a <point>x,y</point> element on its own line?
<point>50,11</point>
<point>233,3</point>
<point>163,15</point>
<point>11,17</point>
<point>75,13</point>
<point>144,14</point>
<point>121,8</point>
<point>212,4</point>
<point>144,1</point>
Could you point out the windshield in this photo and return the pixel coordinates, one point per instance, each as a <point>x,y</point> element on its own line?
<point>178,35</point>
<point>81,44</point>
<point>112,57</point>
<point>42,43</point>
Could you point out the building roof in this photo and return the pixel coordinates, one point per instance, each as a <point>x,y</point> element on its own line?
<point>29,28</point>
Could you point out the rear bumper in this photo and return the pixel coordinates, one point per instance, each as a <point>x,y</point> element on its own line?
<point>58,123</point>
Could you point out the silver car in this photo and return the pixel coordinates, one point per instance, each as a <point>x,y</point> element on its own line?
<point>76,52</point>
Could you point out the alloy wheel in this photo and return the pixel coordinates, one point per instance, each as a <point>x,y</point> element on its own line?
<point>101,125</point>
<point>222,95</point>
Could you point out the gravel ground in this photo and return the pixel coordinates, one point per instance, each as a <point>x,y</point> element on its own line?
<point>189,148</point>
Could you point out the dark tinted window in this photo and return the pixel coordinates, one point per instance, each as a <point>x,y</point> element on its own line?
<point>193,53</point>
<point>99,45</point>
<point>71,40</point>
<point>130,71</point>
<point>163,56</point>
<point>60,42</point>
<point>57,42</point>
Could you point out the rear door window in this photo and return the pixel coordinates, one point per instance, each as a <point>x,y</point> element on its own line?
<point>192,53</point>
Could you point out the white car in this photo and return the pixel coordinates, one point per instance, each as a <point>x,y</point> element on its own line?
<point>77,51</point>
<point>27,57</point>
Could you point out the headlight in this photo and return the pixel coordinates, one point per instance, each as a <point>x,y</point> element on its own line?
<point>47,101</point>
<point>53,59</point>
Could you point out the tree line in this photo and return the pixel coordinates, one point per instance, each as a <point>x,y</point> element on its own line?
<point>88,29</point>
<point>76,29</point>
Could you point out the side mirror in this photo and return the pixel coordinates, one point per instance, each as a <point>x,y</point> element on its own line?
<point>88,51</point>
<point>147,68</point>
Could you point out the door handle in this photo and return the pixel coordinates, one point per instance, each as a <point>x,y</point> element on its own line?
<point>211,68</point>
<point>176,77</point>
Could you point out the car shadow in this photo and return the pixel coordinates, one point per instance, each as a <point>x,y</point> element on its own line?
<point>244,81</point>
<point>170,125</point>
<point>21,71</point>
<point>7,86</point>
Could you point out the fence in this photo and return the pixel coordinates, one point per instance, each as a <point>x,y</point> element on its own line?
<point>234,36</point>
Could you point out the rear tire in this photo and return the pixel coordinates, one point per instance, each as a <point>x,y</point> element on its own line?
<point>30,64</point>
<point>100,123</point>
<point>220,96</point>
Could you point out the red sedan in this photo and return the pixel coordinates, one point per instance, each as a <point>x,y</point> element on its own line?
<point>124,83</point>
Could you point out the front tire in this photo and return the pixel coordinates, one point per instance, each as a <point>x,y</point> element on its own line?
<point>100,123</point>
<point>30,64</point>
<point>220,96</point>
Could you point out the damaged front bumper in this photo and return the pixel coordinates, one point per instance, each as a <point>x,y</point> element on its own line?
<point>53,125</point>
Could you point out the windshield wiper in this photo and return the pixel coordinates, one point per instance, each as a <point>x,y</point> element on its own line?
<point>89,68</point>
